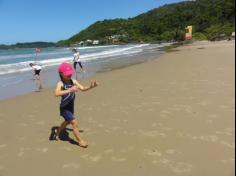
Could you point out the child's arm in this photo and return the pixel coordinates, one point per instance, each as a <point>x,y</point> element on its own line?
<point>60,92</point>
<point>85,88</point>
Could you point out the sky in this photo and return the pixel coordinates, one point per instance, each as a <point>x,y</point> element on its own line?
<point>54,20</point>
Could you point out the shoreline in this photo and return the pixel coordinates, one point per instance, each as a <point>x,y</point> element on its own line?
<point>23,83</point>
<point>170,116</point>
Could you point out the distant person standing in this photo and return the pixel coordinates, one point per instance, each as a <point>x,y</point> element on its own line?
<point>37,50</point>
<point>76,59</point>
<point>37,69</point>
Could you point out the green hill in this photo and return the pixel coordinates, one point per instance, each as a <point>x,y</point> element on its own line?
<point>210,19</point>
<point>29,45</point>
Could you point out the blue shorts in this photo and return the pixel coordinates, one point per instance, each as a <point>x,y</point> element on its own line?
<point>67,115</point>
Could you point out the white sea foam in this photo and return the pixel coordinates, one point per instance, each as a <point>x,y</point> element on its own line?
<point>94,47</point>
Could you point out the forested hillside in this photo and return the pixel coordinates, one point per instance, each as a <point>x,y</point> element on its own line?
<point>209,18</point>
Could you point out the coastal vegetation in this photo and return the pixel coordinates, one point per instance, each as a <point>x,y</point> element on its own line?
<point>211,20</point>
<point>29,45</point>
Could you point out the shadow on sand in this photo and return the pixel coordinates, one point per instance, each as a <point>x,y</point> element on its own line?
<point>64,136</point>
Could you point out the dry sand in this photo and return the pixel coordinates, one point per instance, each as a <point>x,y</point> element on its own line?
<point>171,116</point>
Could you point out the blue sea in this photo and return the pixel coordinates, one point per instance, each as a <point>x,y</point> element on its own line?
<point>16,77</point>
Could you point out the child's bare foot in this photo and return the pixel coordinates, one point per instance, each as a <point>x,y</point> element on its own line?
<point>56,136</point>
<point>83,144</point>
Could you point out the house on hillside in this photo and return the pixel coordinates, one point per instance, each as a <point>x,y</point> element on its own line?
<point>81,43</point>
<point>89,42</point>
<point>95,42</point>
<point>233,35</point>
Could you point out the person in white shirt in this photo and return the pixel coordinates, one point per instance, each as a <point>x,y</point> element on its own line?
<point>76,59</point>
<point>37,69</point>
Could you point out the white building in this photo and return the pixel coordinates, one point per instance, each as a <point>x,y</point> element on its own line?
<point>95,42</point>
<point>233,34</point>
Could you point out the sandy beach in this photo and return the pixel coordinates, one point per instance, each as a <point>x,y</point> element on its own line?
<point>171,116</point>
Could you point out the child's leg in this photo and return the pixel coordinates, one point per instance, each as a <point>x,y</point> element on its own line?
<point>74,65</point>
<point>38,82</point>
<point>63,125</point>
<point>74,124</point>
<point>80,64</point>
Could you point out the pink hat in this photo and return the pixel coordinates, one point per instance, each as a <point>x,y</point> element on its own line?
<point>66,69</point>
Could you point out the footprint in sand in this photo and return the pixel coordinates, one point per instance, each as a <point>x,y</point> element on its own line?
<point>153,134</point>
<point>107,131</point>
<point>209,121</point>
<point>209,138</point>
<point>20,138</point>
<point>116,128</point>
<point>43,150</point>
<point>116,120</point>
<point>224,107</point>
<point>91,120</point>
<point>161,127</point>
<point>131,148</point>
<point>188,109</point>
<point>152,152</point>
<point>118,159</point>
<point>156,103</point>
<point>213,116</point>
<point>170,151</point>
<point>40,122</point>
<point>162,161</point>
<point>101,125</point>
<point>165,112</point>
<point>206,138</point>
<point>22,151</point>
<point>176,167</point>
<point>204,103</point>
<point>227,144</point>
<point>71,166</point>
<point>163,115</point>
<point>154,125</point>
<point>108,151</point>
<point>228,161</point>
<point>180,167</point>
<point>227,132</point>
<point>125,120</point>
<point>3,146</point>
<point>131,133</point>
<point>23,124</point>
<point>95,158</point>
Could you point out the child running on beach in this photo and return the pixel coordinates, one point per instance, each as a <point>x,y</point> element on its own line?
<point>76,59</point>
<point>37,69</point>
<point>66,88</point>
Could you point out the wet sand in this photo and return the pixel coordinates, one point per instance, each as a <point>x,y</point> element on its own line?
<point>171,116</point>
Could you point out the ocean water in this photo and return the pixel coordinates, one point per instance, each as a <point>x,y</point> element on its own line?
<point>16,77</point>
